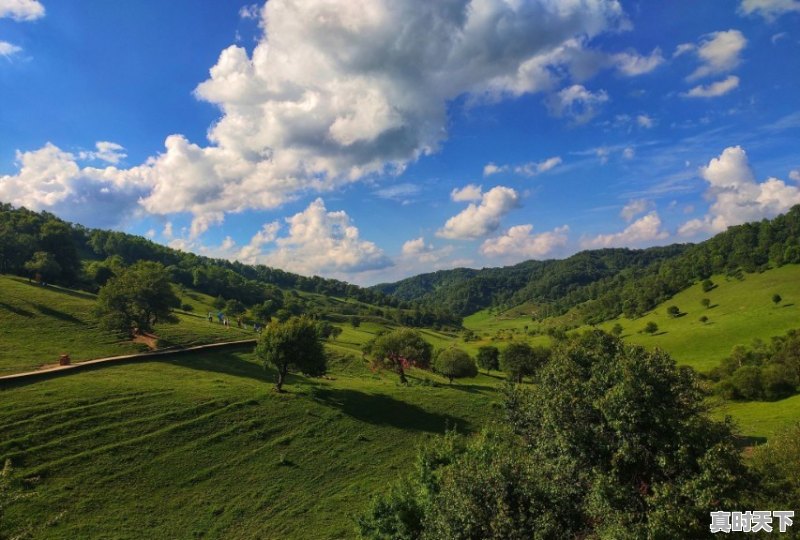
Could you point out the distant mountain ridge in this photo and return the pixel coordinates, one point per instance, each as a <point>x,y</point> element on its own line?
<point>607,283</point>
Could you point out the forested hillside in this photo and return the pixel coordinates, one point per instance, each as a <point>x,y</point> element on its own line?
<point>41,244</point>
<point>610,282</point>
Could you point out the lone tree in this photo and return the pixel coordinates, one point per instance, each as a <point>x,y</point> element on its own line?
<point>673,311</point>
<point>399,350</point>
<point>707,285</point>
<point>651,328</point>
<point>489,358</point>
<point>706,302</point>
<point>136,299</point>
<point>520,359</point>
<point>293,345</point>
<point>455,364</point>
<point>43,266</point>
<point>617,330</point>
<point>776,299</point>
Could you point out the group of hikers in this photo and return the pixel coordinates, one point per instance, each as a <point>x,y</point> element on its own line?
<point>223,320</point>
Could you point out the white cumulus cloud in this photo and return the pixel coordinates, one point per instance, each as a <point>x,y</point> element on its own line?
<point>645,230</point>
<point>634,208</point>
<point>794,175</point>
<point>479,220</point>
<point>335,92</point>
<point>715,89</point>
<point>109,152</point>
<point>322,242</point>
<point>21,10</point>
<point>519,242</point>
<point>737,196</point>
<point>769,9</point>
<point>8,49</point>
<point>470,192</point>
<point>718,52</point>
<point>576,103</point>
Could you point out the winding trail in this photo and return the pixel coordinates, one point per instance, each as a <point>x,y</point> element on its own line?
<point>58,370</point>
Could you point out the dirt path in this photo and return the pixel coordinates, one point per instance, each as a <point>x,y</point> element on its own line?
<point>44,373</point>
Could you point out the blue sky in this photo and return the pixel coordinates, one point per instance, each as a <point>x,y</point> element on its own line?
<point>370,140</point>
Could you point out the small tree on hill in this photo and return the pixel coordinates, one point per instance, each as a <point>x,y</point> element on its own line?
<point>399,350</point>
<point>520,359</point>
<point>703,319</point>
<point>455,364</point>
<point>43,266</point>
<point>617,330</point>
<point>293,345</point>
<point>776,299</point>
<point>706,302</point>
<point>355,321</point>
<point>219,303</point>
<point>138,298</point>
<point>707,285</point>
<point>673,311</point>
<point>489,358</point>
<point>234,308</point>
<point>335,332</point>
<point>651,328</point>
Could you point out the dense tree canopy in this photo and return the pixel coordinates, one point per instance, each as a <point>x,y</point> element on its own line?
<point>138,298</point>
<point>520,360</point>
<point>612,443</point>
<point>455,363</point>
<point>293,345</point>
<point>399,350</point>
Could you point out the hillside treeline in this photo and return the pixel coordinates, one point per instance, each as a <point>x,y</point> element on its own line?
<point>39,243</point>
<point>610,282</point>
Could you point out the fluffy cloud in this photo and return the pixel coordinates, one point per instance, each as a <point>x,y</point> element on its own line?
<point>8,49</point>
<point>336,92</point>
<point>322,242</point>
<point>577,103</point>
<point>718,53</point>
<point>645,121</point>
<point>50,178</point>
<point>718,88</point>
<point>644,230</point>
<point>519,242</point>
<point>794,175</point>
<point>478,220</point>
<point>268,233</point>
<point>737,197</point>
<point>634,208</point>
<point>470,192</point>
<point>21,10</point>
<point>633,64</point>
<point>106,151</point>
<point>769,9</point>
<point>526,169</point>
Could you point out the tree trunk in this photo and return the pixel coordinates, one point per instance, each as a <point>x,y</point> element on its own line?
<point>281,378</point>
<point>402,375</point>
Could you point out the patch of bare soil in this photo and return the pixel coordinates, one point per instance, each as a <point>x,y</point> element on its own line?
<point>148,339</point>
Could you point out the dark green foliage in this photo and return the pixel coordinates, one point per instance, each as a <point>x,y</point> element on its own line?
<point>43,266</point>
<point>455,363</point>
<point>612,442</point>
<point>355,321</point>
<point>673,311</point>
<point>135,300</point>
<point>705,302</point>
<point>617,329</point>
<point>651,327</point>
<point>776,299</point>
<point>762,371</point>
<point>234,307</point>
<point>703,319</point>
<point>489,358</point>
<point>324,329</point>
<point>399,350</point>
<point>293,345</point>
<point>777,463</point>
<point>520,360</point>
<point>707,285</point>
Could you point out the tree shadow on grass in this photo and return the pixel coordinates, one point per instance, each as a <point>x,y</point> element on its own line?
<point>15,310</point>
<point>227,363</point>
<point>58,289</point>
<point>383,410</point>
<point>56,314</point>
<point>746,441</point>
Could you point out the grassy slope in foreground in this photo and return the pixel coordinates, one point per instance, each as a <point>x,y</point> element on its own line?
<point>40,323</point>
<point>201,447</point>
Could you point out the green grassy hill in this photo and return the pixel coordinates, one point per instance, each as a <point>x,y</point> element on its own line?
<point>740,311</point>
<point>199,446</point>
<point>40,323</point>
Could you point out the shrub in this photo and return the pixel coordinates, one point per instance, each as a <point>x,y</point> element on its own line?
<point>455,364</point>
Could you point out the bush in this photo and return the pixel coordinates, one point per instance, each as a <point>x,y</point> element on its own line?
<point>651,328</point>
<point>187,307</point>
<point>707,285</point>
<point>489,358</point>
<point>673,311</point>
<point>520,360</point>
